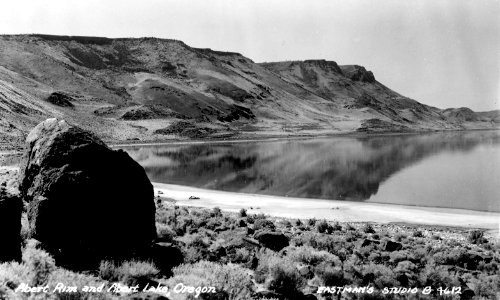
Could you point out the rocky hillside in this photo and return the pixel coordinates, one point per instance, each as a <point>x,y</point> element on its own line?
<point>157,89</point>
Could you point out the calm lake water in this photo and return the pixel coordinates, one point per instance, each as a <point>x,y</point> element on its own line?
<point>456,169</point>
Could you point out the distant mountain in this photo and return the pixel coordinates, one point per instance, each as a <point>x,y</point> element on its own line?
<point>154,89</point>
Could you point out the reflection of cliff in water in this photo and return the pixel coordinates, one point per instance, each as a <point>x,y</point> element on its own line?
<point>333,168</point>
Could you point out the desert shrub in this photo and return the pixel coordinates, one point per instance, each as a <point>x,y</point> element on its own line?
<point>212,224</point>
<point>303,227</point>
<point>286,280</point>
<point>398,256</point>
<point>368,228</point>
<point>25,232</point>
<point>231,280</point>
<point>418,233</point>
<point>241,255</point>
<point>196,248</point>
<point>108,270</point>
<point>310,256</point>
<point>165,233</point>
<point>375,257</point>
<point>312,222</point>
<point>399,237</point>
<point>278,274</point>
<point>185,223</point>
<point>217,252</point>
<point>39,262</point>
<point>476,237</point>
<point>457,257</point>
<point>382,275</point>
<point>260,216</point>
<point>243,213</point>
<point>489,268</point>
<point>263,224</point>
<point>266,259</point>
<point>68,278</point>
<point>129,272</point>
<point>250,219</point>
<point>419,254</point>
<point>331,243</point>
<point>384,233</point>
<point>405,266</point>
<point>490,246</point>
<point>349,227</point>
<point>367,250</point>
<point>453,243</point>
<point>486,286</point>
<point>330,275</point>
<point>286,223</point>
<point>166,216</point>
<point>336,226</point>
<point>135,271</point>
<point>436,237</point>
<point>298,222</point>
<point>13,272</point>
<point>352,236</point>
<point>216,212</point>
<point>437,276</point>
<point>324,227</point>
<point>198,213</point>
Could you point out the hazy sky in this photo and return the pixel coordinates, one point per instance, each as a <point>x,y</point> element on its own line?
<point>444,53</point>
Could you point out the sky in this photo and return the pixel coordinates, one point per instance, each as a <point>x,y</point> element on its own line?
<point>444,53</point>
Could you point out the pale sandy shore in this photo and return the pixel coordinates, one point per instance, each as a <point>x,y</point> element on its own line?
<point>342,211</point>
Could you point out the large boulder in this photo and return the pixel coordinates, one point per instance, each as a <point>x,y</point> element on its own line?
<point>86,201</point>
<point>10,226</point>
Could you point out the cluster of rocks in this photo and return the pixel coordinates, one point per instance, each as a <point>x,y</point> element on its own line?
<point>85,202</point>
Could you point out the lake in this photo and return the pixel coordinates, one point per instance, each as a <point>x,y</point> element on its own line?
<point>453,169</point>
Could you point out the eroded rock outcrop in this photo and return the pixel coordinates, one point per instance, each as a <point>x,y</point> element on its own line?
<point>10,226</point>
<point>358,73</point>
<point>85,201</point>
<point>60,99</point>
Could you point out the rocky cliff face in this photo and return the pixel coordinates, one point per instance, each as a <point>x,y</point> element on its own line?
<point>130,88</point>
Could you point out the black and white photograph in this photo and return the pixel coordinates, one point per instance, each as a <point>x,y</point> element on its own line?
<point>250,149</point>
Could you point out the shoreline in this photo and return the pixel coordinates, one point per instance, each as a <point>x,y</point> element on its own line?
<point>332,210</point>
<point>258,137</point>
<point>271,138</point>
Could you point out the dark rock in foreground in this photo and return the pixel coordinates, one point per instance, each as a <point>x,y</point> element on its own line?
<point>10,227</point>
<point>86,201</point>
<point>272,240</point>
<point>391,246</point>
